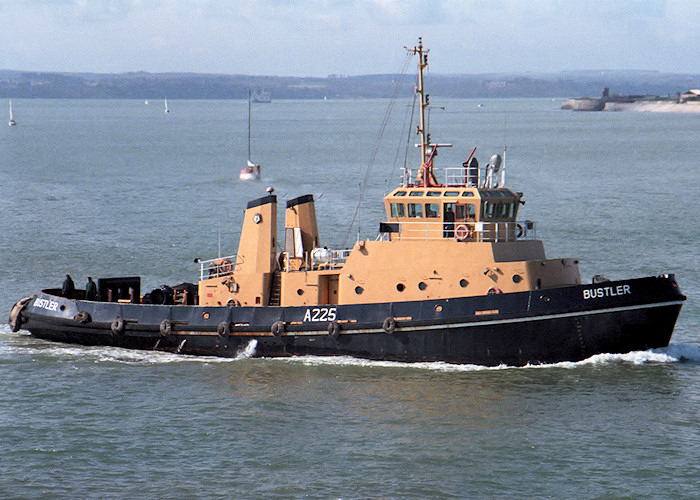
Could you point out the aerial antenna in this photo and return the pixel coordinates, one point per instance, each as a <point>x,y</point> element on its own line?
<point>385,121</point>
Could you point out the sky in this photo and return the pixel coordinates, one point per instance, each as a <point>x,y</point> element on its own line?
<point>348,37</point>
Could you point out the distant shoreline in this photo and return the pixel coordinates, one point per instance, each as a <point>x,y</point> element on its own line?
<point>141,85</point>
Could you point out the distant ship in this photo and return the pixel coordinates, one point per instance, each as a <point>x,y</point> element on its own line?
<point>587,103</point>
<point>262,96</point>
<point>12,121</point>
<point>687,102</point>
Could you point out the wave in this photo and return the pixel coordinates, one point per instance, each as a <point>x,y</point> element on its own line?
<point>674,353</point>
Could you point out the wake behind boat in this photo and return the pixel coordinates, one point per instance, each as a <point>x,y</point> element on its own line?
<point>452,276</point>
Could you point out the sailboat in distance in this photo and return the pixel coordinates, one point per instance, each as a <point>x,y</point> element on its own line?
<point>251,171</point>
<point>12,121</point>
<point>167,110</point>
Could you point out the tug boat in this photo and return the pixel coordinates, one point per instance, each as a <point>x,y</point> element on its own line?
<point>453,276</point>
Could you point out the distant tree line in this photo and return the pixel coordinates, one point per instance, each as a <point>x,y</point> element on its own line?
<point>23,84</point>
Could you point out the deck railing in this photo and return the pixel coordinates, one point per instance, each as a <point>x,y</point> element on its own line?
<point>461,231</point>
<point>215,268</point>
<point>464,177</point>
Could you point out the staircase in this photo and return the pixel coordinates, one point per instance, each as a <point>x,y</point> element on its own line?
<point>275,289</point>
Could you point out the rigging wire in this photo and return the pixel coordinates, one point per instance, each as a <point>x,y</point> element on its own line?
<point>406,172</point>
<point>375,150</point>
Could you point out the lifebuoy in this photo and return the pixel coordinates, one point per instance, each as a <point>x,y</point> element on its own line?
<point>82,317</point>
<point>225,266</point>
<point>118,326</point>
<point>233,303</point>
<point>493,291</point>
<point>224,329</point>
<point>462,232</point>
<point>389,325</point>
<point>278,328</point>
<point>166,328</point>
<point>334,329</point>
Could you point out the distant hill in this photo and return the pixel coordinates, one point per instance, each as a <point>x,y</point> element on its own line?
<point>140,85</point>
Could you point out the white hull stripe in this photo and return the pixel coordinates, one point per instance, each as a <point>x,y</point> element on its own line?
<point>470,324</point>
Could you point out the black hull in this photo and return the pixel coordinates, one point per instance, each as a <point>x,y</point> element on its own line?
<point>542,326</point>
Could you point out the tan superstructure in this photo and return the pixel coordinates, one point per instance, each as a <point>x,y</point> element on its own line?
<point>456,236</point>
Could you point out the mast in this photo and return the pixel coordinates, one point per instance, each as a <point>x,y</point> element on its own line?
<point>12,121</point>
<point>249,98</point>
<point>424,100</point>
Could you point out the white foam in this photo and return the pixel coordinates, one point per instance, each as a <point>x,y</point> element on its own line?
<point>25,344</point>
<point>248,351</point>
<point>674,353</point>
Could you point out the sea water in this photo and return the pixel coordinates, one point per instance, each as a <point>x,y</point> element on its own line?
<point>118,188</point>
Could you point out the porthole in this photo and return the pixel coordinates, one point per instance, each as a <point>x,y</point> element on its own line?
<point>205,315</point>
<point>463,283</point>
<point>438,308</point>
<point>300,292</point>
<point>422,286</point>
<point>517,278</point>
<point>359,290</point>
<point>400,287</point>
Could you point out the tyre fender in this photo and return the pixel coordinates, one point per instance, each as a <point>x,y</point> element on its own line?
<point>82,317</point>
<point>16,318</point>
<point>224,329</point>
<point>333,329</point>
<point>278,328</point>
<point>118,326</point>
<point>166,328</point>
<point>389,325</point>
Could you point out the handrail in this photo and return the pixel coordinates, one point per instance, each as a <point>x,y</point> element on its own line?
<point>477,177</point>
<point>484,231</point>
<point>215,268</point>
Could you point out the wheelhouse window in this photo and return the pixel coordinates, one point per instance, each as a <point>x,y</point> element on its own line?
<point>400,193</point>
<point>415,193</point>
<point>434,193</point>
<point>488,209</point>
<point>397,210</point>
<point>432,210</point>
<point>415,210</point>
<point>467,211</point>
